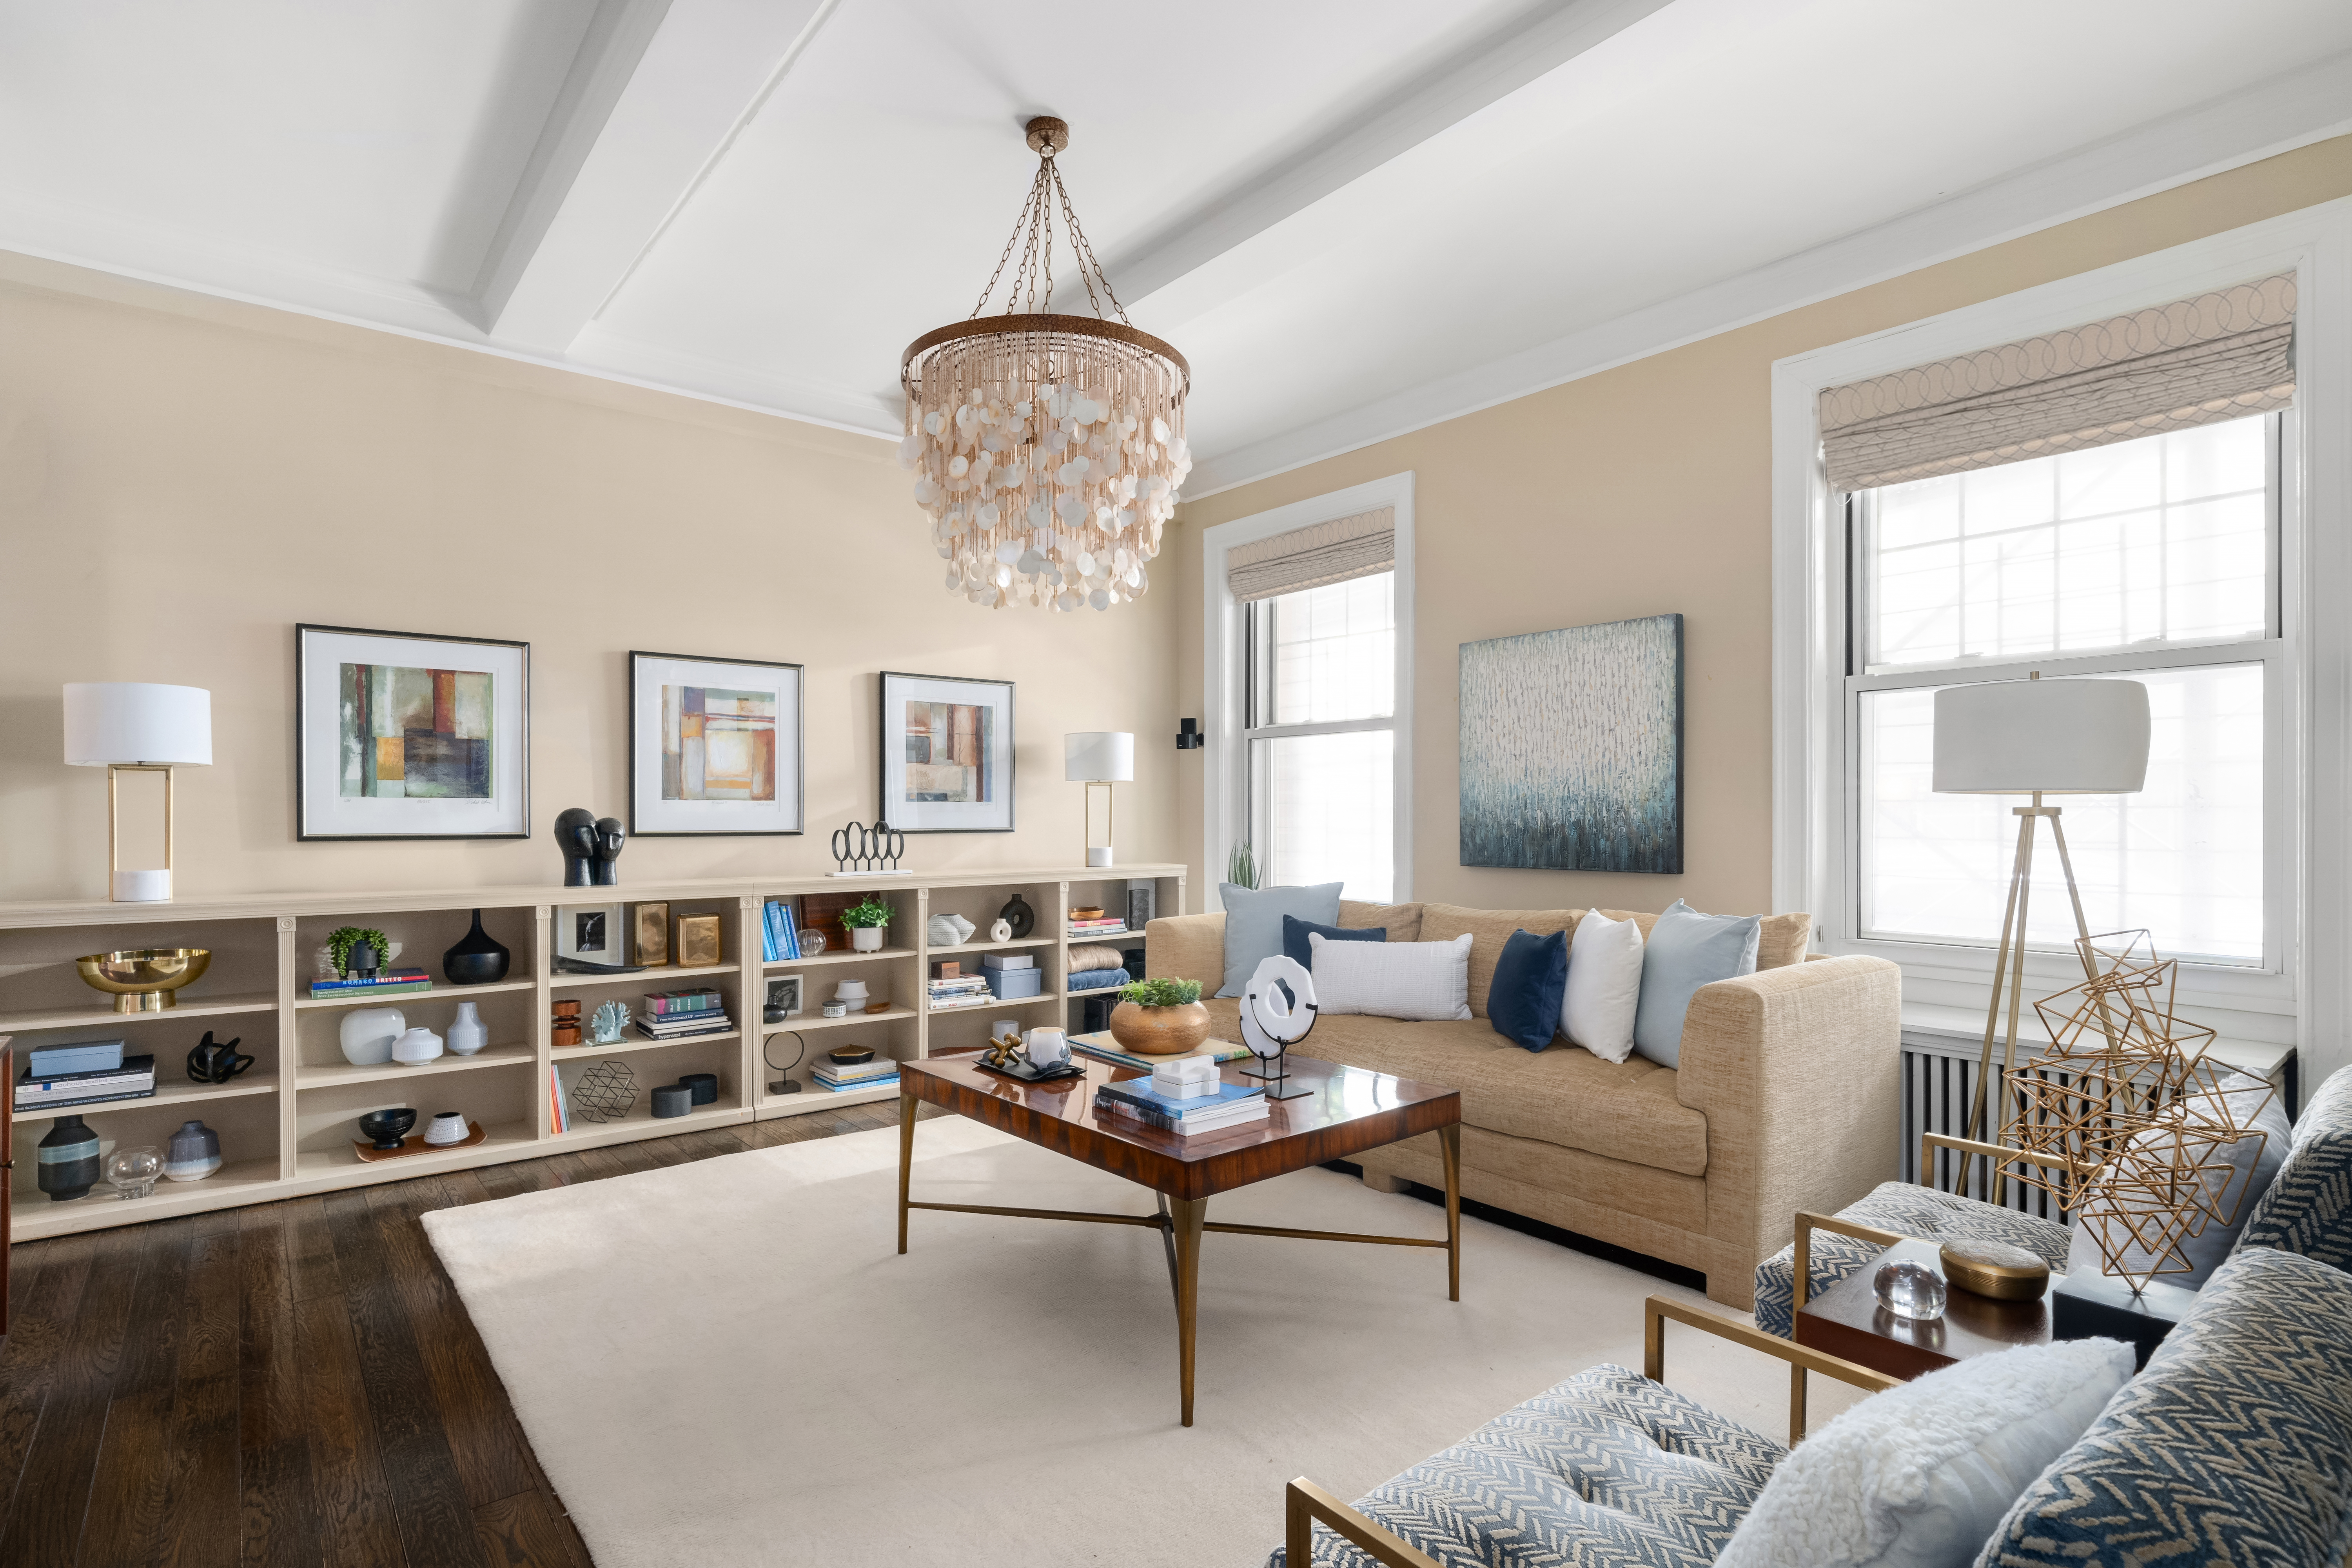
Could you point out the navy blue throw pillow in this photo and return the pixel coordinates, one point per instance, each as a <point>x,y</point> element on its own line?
<point>1295,932</point>
<point>1523,1001</point>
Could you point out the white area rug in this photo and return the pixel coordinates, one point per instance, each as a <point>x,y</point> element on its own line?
<point>726,1362</point>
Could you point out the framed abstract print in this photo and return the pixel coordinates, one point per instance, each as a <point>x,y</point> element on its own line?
<point>947,754</point>
<point>398,736</point>
<point>714,746</point>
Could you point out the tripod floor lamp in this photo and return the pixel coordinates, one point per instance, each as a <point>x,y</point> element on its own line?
<point>2033,737</point>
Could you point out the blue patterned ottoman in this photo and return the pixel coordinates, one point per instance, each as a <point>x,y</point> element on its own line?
<point>2233,1447</point>
<point>1906,1210</point>
<point>1608,1468</point>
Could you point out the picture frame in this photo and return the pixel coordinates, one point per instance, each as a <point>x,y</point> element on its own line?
<point>787,992</point>
<point>715,746</point>
<point>649,935</point>
<point>947,763</point>
<point>595,933</point>
<point>405,735</point>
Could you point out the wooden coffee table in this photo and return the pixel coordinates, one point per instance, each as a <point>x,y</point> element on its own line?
<point>1349,1112</point>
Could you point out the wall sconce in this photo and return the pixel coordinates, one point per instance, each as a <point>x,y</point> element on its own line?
<point>1188,735</point>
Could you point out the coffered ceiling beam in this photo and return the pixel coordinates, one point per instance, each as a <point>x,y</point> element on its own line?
<point>658,92</point>
<point>1451,90</point>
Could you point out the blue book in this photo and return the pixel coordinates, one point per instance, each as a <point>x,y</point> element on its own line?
<point>792,925</point>
<point>1138,1092</point>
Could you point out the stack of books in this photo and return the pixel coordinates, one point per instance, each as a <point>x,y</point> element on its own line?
<point>674,1015</point>
<point>780,939</point>
<point>84,1073</point>
<point>382,983</point>
<point>881,1073</point>
<point>1140,1100</point>
<point>951,990</point>
<point>1102,1047</point>
<point>1107,925</point>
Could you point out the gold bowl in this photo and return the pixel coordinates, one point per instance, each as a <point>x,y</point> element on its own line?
<point>1995,1269</point>
<point>143,979</point>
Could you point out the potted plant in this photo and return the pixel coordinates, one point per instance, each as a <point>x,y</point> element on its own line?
<point>1160,1018</point>
<point>866,921</point>
<point>344,944</point>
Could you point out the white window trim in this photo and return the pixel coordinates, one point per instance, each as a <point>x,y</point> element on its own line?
<point>1225,795</point>
<point>2307,994</point>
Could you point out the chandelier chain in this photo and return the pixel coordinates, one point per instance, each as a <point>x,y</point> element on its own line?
<point>1010,240</point>
<point>1089,269</point>
<point>1033,236</point>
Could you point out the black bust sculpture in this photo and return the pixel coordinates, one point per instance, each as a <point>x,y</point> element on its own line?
<point>575,835</point>
<point>610,839</point>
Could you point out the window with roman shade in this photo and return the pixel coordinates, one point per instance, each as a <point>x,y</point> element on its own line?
<point>2101,500</point>
<point>1313,557</point>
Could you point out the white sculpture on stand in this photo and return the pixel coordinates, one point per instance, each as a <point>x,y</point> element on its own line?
<point>1273,1020</point>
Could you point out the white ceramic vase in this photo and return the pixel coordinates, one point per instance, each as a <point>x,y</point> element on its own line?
<point>866,938</point>
<point>447,1126</point>
<point>1001,931</point>
<point>416,1046</point>
<point>367,1034</point>
<point>467,1033</point>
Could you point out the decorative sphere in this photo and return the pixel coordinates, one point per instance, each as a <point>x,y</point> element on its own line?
<point>1910,1291</point>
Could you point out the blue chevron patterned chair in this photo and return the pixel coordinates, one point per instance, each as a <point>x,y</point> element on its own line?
<point>2307,1207</point>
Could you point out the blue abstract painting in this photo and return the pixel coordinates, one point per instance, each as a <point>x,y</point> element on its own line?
<point>1572,749</point>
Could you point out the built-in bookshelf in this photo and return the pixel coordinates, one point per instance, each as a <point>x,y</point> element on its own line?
<point>286,1125</point>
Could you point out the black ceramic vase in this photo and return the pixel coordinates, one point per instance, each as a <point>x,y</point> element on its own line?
<point>1017,914</point>
<point>478,958</point>
<point>69,1159</point>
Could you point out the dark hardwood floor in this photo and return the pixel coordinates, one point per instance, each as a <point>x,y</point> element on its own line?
<point>291,1383</point>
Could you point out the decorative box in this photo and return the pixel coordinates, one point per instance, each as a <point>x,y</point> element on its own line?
<point>1009,985</point>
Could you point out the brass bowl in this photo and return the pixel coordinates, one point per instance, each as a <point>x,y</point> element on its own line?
<point>1995,1269</point>
<point>143,979</point>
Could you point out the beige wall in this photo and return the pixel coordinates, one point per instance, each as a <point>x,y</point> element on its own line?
<point>183,479</point>
<point>1645,489</point>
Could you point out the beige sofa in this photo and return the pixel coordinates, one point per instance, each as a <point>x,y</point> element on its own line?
<point>1786,1098</point>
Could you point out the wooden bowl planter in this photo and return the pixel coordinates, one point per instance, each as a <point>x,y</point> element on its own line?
<point>1159,1031</point>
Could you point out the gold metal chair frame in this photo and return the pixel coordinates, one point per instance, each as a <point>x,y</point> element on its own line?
<point>1304,1503</point>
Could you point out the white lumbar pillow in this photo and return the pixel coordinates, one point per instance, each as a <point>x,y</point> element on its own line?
<point>1604,986</point>
<point>1419,980</point>
<point>1919,1475</point>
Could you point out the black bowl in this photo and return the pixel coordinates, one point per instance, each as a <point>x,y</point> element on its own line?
<point>851,1056</point>
<point>387,1129</point>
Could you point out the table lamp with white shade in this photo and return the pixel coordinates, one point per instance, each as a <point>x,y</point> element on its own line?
<point>2034,737</point>
<point>1104,757</point>
<point>130,726</point>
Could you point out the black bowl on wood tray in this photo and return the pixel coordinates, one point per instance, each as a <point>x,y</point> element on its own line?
<point>851,1056</point>
<point>387,1129</point>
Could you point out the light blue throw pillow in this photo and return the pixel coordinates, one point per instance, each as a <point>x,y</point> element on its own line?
<point>1686,950</point>
<point>1253,923</point>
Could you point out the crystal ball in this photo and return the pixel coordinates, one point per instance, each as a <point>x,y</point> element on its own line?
<point>1910,1291</point>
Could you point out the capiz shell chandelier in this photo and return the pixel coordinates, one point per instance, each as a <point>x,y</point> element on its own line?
<point>1047,450</point>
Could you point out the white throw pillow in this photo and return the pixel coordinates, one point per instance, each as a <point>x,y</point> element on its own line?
<point>1919,1475</point>
<point>1417,980</point>
<point>1604,986</point>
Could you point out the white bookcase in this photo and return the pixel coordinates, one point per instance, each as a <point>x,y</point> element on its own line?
<point>286,1125</point>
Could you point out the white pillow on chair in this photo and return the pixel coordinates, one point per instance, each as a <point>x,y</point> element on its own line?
<point>1417,980</point>
<point>1604,986</point>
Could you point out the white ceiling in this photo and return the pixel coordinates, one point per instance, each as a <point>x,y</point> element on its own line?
<point>1352,217</point>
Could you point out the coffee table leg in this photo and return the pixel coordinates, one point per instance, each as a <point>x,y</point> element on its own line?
<point>1449,1144</point>
<point>1188,1214</point>
<point>906,1103</point>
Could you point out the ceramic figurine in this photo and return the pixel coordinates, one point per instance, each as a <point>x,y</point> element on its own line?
<point>605,1028</point>
<point>68,1161</point>
<point>416,1046</point>
<point>1001,931</point>
<point>478,958</point>
<point>195,1152</point>
<point>211,1062</point>
<point>947,931</point>
<point>575,835</point>
<point>367,1034</point>
<point>467,1033</point>
<point>610,839</point>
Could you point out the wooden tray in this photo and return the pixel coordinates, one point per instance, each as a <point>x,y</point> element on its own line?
<point>414,1143</point>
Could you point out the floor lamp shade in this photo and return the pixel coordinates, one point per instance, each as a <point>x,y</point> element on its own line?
<point>1102,757</point>
<point>2054,737</point>
<point>145,727</point>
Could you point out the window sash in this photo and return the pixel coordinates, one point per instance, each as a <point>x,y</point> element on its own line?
<point>1258,645</point>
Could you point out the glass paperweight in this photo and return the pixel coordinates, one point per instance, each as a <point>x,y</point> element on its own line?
<point>811,942</point>
<point>1910,1291</point>
<point>133,1171</point>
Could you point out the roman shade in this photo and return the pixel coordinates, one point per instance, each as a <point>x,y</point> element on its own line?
<point>1309,557</point>
<point>2219,356</point>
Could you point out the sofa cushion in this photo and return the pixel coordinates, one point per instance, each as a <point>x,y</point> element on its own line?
<point>1488,931</point>
<point>1781,940</point>
<point>1401,922</point>
<point>1523,1002</point>
<point>1607,1467</point>
<point>1927,1212</point>
<point>1684,951</point>
<point>1253,924</point>
<point>2309,1207</point>
<point>2232,1446</point>
<point>2246,1169</point>
<point>1566,1095</point>
<point>1295,932</point>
